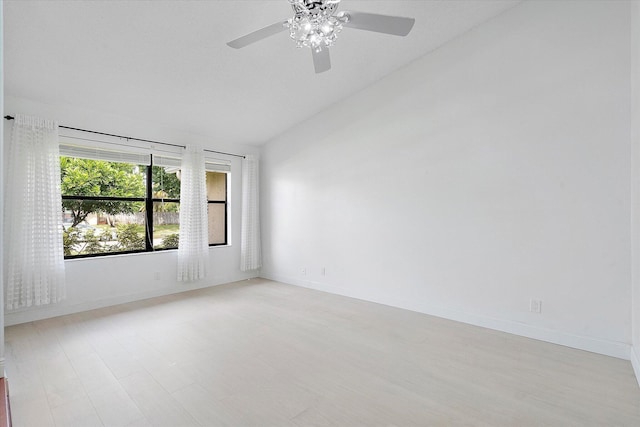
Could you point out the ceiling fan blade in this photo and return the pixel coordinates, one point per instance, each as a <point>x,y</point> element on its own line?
<point>258,35</point>
<point>396,25</point>
<point>321,60</point>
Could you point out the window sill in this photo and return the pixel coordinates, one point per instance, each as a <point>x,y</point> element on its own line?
<point>165,251</point>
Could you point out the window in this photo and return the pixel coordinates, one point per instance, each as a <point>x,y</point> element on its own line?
<point>114,203</point>
<point>217,207</point>
<point>103,205</point>
<point>165,197</point>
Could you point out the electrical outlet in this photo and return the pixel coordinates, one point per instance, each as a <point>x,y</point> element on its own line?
<point>156,275</point>
<point>323,271</point>
<point>303,271</point>
<point>535,306</point>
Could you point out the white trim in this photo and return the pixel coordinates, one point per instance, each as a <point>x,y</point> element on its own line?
<point>609,348</point>
<point>41,313</point>
<point>635,362</point>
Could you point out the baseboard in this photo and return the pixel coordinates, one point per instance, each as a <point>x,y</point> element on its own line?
<point>635,362</point>
<point>609,348</point>
<point>46,312</point>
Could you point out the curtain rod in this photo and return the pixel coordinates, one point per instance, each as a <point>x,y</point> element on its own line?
<point>137,139</point>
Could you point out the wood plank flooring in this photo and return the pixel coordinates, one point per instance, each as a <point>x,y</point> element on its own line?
<point>261,353</point>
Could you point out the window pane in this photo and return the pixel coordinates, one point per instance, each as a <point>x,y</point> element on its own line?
<point>166,225</point>
<point>216,186</point>
<point>84,177</point>
<point>217,214</point>
<point>88,229</point>
<point>166,184</point>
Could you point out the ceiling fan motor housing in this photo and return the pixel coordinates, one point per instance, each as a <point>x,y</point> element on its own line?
<point>314,9</point>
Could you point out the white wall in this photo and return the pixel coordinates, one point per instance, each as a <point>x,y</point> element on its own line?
<point>489,172</point>
<point>635,187</point>
<point>103,281</point>
<point>1,193</point>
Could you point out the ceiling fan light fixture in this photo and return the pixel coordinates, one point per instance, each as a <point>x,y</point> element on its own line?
<point>314,24</point>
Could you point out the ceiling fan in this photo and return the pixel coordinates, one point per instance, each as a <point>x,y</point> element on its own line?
<point>316,24</point>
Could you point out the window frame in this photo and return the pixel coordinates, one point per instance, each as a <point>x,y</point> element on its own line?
<point>149,200</point>
<point>226,207</point>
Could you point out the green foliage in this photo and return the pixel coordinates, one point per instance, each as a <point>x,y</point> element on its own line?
<point>70,240</point>
<point>129,237</point>
<point>164,206</point>
<point>171,241</point>
<point>80,243</point>
<point>92,245</point>
<point>165,184</point>
<point>83,177</point>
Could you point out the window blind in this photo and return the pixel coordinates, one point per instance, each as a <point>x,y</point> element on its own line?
<point>167,162</point>
<point>219,166</point>
<point>111,149</point>
<point>95,153</point>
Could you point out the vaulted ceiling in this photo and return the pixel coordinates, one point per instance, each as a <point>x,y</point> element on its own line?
<point>167,61</point>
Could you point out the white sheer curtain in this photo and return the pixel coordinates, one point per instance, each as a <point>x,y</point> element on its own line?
<point>193,245</point>
<point>250,251</point>
<point>33,255</point>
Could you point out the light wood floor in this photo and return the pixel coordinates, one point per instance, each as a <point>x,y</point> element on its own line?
<point>266,354</point>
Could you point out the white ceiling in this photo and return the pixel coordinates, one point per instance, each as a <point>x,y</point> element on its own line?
<point>167,61</point>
